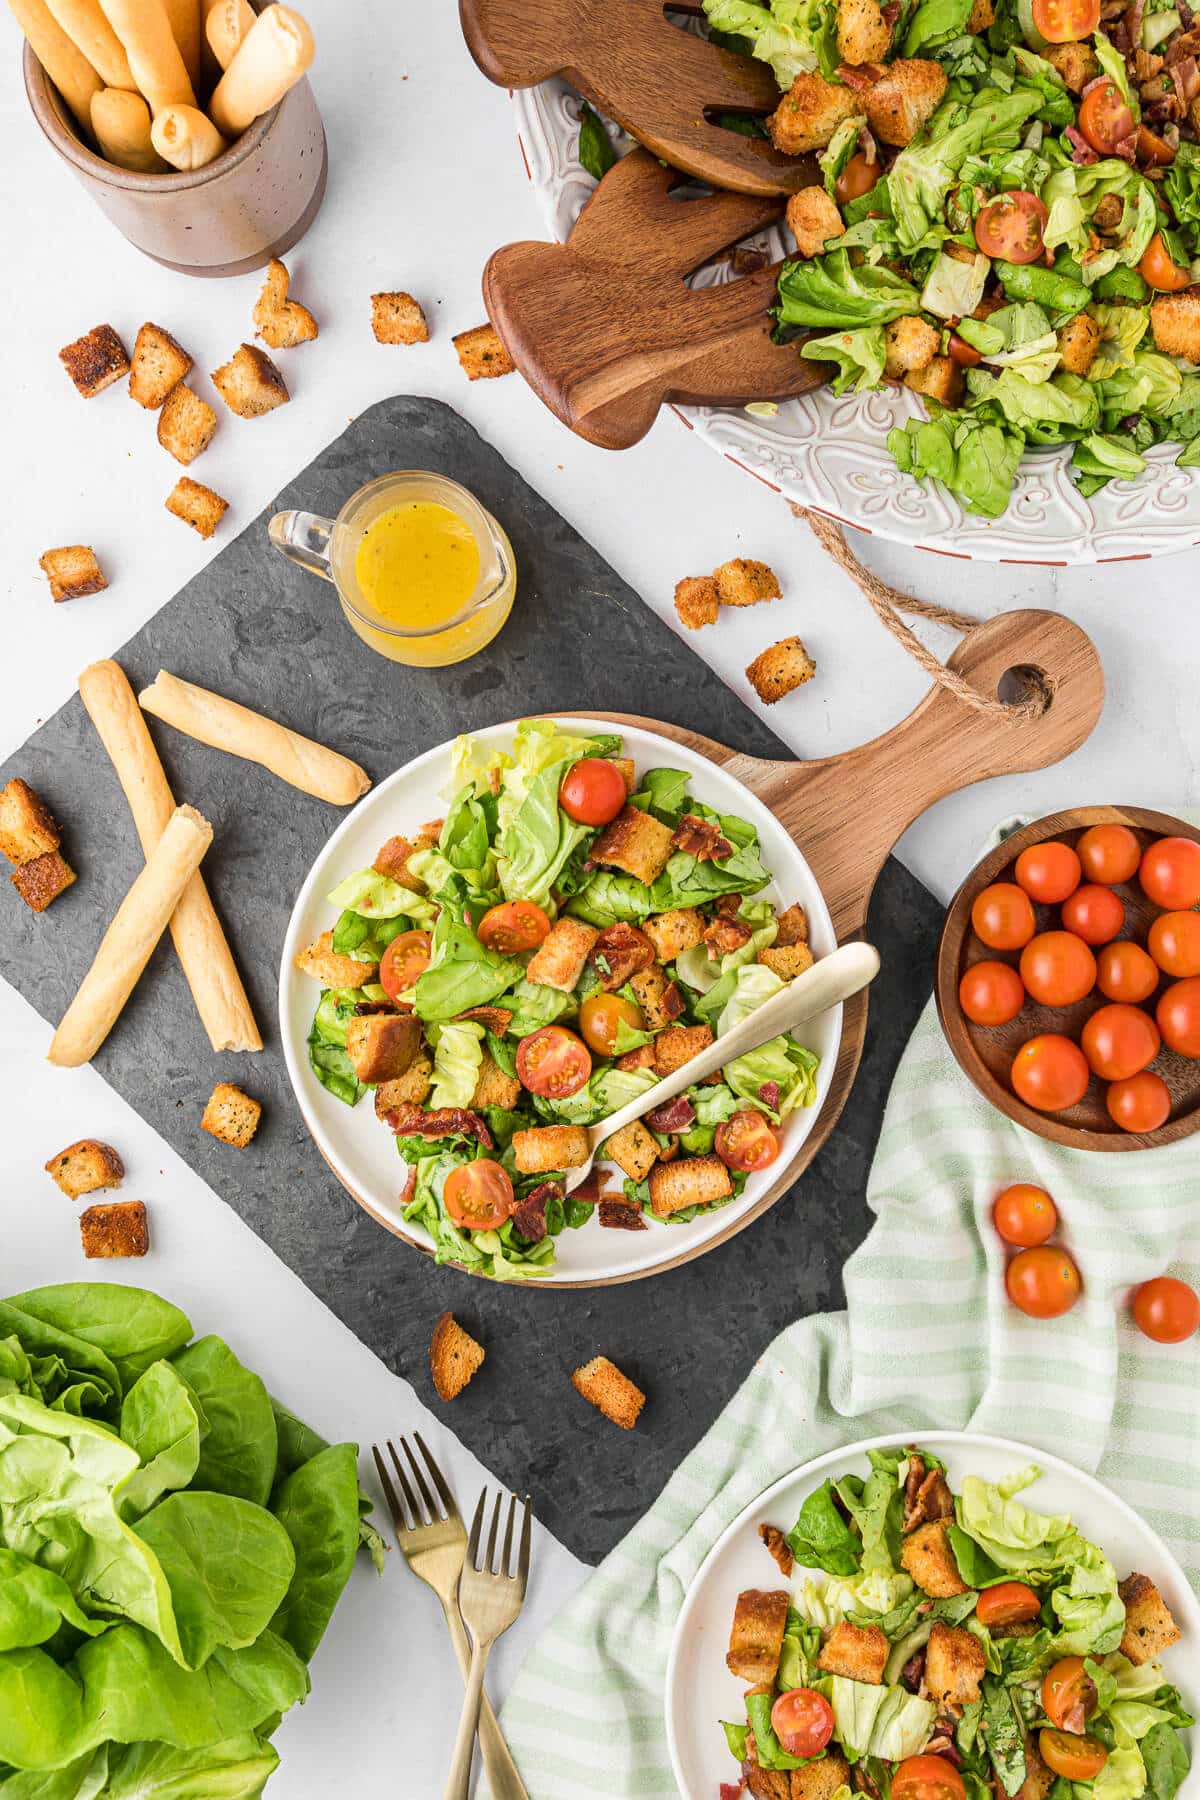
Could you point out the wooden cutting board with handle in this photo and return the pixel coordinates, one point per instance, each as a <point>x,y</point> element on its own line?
<point>604,327</point>
<point>665,86</point>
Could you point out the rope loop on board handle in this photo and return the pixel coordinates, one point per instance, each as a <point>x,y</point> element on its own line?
<point>889,602</point>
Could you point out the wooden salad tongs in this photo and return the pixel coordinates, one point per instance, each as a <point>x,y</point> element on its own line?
<point>604,327</point>
<point>666,87</point>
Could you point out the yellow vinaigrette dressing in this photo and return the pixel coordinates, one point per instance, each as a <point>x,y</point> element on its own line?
<point>417,565</point>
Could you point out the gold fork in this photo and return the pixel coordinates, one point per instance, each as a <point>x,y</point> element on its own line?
<point>434,1545</point>
<point>490,1596</point>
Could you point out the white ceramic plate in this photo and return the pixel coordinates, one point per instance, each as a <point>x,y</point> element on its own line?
<point>362,1152</point>
<point>701,1691</point>
<point>832,454</point>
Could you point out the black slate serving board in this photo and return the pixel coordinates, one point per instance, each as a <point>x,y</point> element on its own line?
<point>259,630</point>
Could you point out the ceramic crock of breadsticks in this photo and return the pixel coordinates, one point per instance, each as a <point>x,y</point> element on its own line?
<point>309,766</point>
<point>200,943</point>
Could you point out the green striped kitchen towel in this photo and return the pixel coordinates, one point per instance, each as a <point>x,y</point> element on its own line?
<point>928,1339</point>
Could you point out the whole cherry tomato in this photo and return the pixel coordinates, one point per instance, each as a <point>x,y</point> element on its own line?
<point>1050,1073</point>
<point>1002,916</point>
<point>592,791</point>
<point>1167,1310</point>
<point>1125,972</point>
<point>1093,913</point>
<point>1024,1215</point>
<point>1104,118</point>
<point>802,1720</point>
<point>1058,968</point>
<point>599,1017</point>
<point>1048,872</point>
<point>1178,1015</point>
<point>1159,270</point>
<point>991,993</point>
<point>1066,21</point>
<point>1068,1694</point>
<point>1043,1283</point>
<point>478,1195</point>
<point>928,1778</point>
<point>1119,1041</point>
<point>1011,226</point>
<point>1170,873</point>
<point>1174,943</point>
<point>1109,853</point>
<point>1008,1603</point>
<point>1141,1102</point>
<point>513,926</point>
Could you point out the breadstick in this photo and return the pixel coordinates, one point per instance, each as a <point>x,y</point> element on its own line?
<point>62,59</point>
<point>87,27</point>
<point>158,68</point>
<point>126,946</point>
<point>228,23</point>
<point>121,122</point>
<point>276,51</point>
<point>185,137</point>
<point>200,943</point>
<point>227,726</point>
<point>184,19</point>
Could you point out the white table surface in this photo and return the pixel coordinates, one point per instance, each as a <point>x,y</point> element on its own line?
<point>425,180</point>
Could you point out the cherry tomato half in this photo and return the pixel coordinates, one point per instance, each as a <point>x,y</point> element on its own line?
<point>856,179</point>
<point>478,1195</point>
<point>599,1017</point>
<point>1058,968</point>
<point>802,1720</point>
<point>403,962</point>
<point>1048,872</point>
<point>927,1778</point>
<point>1050,1073</point>
<point>1093,913</point>
<point>592,791</point>
<point>1044,1283</point>
<point>1120,1041</point>
<point>1002,916</point>
<point>1178,1015</point>
<point>1068,1694</point>
<point>1167,1310</point>
<point>991,993</point>
<point>1157,268</point>
<point>1024,1215</point>
<point>1073,1757</point>
<point>1141,1102</point>
<point>1104,118</point>
<point>1125,972</point>
<point>1011,226</point>
<point>553,1062</point>
<point>513,926</point>
<point>1170,873</point>
<point>964,354</point>
<point>746,1142</point>
<point>1174,943</point>
<point>1066,21</point>
<point>1008,1603</point>
<point>1109,853</point>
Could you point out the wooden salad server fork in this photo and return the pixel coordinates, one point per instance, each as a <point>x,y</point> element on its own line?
<point>604,328</point>
<point>665,86</point>
<point>846,971</point>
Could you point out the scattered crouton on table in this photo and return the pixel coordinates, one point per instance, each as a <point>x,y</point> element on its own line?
<point>612,1393</point>
<point>197,505</point>
<point>779,669</point>
<point>454,1357</point>
<point>160,363</point>
<point>85,1166</point>
<point>95,360</point>
<point>250,384</point>
<point>231,1116</point>
<point>73,571</point>
<point>697,601</point>
<point>115,1228</point>
<point>280,322</point>
<point>27,827</point>
<point>482,355</point>
<point>398,319</point>
<point>744,582</point>
<point>186,424</point>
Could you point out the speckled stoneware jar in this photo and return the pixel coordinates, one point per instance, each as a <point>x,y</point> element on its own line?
<point>255,201</point>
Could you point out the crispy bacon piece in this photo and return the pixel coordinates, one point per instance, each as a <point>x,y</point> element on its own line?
<point>860,76</point>
<point>619,952</point>
<point>701,839</point>
<point>496,1018</point>
<point>731,1790</point>
<point>779,1548</point>
<point>529,1218</point>
<point>723,934</point>
<point>671,1001</point>
<point>621,1215</point>
<point>926,1494</point>
<point>590,1188</point>
<point>747,262</point>
<point>410,1186</point>
<point>450,1121</point>
<point>1081,150</point>
<point>673,1115</point>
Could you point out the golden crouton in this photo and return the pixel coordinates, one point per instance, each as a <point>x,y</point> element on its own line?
<point>73,571</point>
<point>982,16</point>
<point>809,113</point>
<point>910,344</point>
<point>454,1356</point>
<point>1038,1778</point>
<point>381,1046</point>
<point>27,827</point>
<point>249,383</point>
<point>280,322</point>
<point>941,379</point>
<point>628,771</point>
<point>196,505</point>
<point>398,319</point>
<point>907,94</point>
<point>1076,63</point>
<point>813,217</point>
<point>658,997</point>
<point>159,364</point>
<point>859,1653</point>
<point>231,1116</point>
<point>863,34</point>
<point>792,926</point>
<point>115,1228</point>
<point>95,361</point>
<point>392,860</point>
<point>636,843</point>
<point>927,1556</point>
<point>677,1045</point>
<point>410,1089</point>
<point>696,601</point>
<point>323,963</point>
<point>544,1148</point>
<point>494,1087</point>
<point>559,960</point>
<point>42,880</point>
<point>955,1663</point>
<point>673,932</point>
<point>83,1167</point>
<point>787,960</point>
<point>612,1393</point>
<point>481,354</point>
<point>821,1778</point>
<point>744,582</point>
<point>1078,342</point>
<point>186,424</point>
<point>632,1149</point>
<point>689,1181</point>
<point>756,1635</point>
<point>1149,1627</point>
<point>1175,322</point>
<point>779,668</point>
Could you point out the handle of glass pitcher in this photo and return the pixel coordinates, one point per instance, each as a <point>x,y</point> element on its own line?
<point>304,539</point>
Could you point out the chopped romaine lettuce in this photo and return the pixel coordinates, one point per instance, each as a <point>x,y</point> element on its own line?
<point>859,356</point>
<point>829,292</point>
<point>457,1060</point>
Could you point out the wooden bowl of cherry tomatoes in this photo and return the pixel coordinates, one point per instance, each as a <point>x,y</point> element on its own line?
<point>1068,978</point>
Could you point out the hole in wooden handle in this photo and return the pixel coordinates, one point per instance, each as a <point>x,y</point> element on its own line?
<point>1026,686</point>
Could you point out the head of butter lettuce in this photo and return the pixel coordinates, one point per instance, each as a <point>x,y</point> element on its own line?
<point>173,1543</point>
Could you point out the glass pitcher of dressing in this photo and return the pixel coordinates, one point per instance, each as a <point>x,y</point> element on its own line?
<point>425,575</point>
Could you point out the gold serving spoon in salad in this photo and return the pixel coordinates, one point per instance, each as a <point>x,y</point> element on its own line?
<point>849,969</point>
